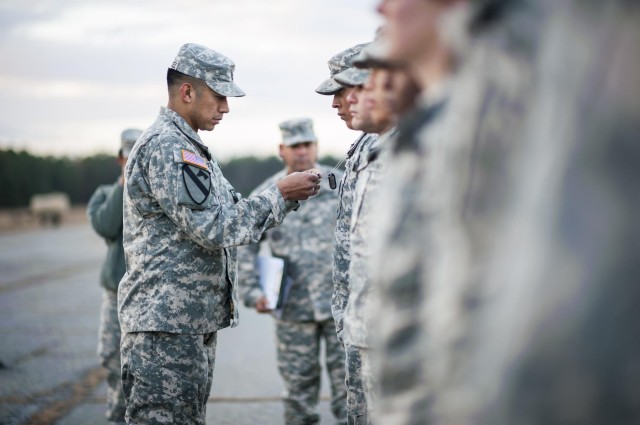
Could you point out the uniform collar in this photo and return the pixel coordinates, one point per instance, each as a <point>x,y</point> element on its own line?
<point>172,116</point>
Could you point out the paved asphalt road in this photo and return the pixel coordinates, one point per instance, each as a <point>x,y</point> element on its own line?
<point>49,372</point>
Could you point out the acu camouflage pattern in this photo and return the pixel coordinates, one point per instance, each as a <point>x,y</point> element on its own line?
<point>304,240</point>
<point>299,365</point>
<point>296,131</point>
<point>353,76</point>
<point>181,255</point>
<point>357,320</point>
<point>564,305</point>
<point>445,227</point>
<point>206,64</point>
<point>338,63</point>
<point>127,139</point>
<point>109,354</point>
<point>357,159</point>
<point>357,409</point>
<point>167,378</point>
<point>397,262</point>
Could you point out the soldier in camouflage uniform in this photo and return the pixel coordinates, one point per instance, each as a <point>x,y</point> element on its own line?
<point>402,246</point>
<point>304,240</point>
<point>356,159</point>
<point>558,343</point>
<point>182,222</point>
<point>372,113</point>
<point>105,214</point>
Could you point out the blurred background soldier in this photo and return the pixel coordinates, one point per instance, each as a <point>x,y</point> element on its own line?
<point>356,158</point>
<point>182,222</point>
<point>105,214</point>
<point>304,241</point>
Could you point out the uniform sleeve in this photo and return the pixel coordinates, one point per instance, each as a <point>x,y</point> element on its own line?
<point>248,276</point>
<point>340,294</point>
<point>105,211</point>
<point>218,223</point>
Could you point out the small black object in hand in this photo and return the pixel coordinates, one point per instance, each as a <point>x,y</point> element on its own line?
<point>332,180</point>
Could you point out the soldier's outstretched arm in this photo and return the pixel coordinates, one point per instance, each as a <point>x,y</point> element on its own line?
<point>217,222</point>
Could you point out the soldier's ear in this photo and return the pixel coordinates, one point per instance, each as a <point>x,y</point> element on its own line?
<point>281,151</point>
<point>187,92</point>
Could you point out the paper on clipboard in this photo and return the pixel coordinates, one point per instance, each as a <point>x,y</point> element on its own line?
<point>273,281</point>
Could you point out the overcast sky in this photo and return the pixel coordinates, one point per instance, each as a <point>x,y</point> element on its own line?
<point>75,73</point>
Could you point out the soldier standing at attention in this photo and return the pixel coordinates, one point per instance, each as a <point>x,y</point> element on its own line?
<point>356,158</point>
<point>105,214</point>
<point>182,222</point>
<point>372,113</point>
<point>304,240</point>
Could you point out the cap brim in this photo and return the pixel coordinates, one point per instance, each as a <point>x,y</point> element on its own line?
<point>298,140</point>
<point>329,86</point>
<point>352,76</point>
<point>225,88</point>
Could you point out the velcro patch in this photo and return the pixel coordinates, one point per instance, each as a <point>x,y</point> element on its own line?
<point>193,159</point>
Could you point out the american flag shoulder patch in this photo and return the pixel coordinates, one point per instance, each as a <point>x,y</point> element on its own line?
<point>193,159</point>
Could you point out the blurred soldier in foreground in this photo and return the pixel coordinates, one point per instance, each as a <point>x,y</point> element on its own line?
<point>304,241</point>
<point>430,37</point>
<point>182,222</point>
<point>559,342</point>
<point>356,159</point>
<point>105,214</point>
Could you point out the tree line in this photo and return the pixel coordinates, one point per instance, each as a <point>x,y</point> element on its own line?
<point>23,175</point>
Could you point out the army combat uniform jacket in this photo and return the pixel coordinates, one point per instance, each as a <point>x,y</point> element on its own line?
<point>357,159</point>
<point>182,222</point>
<point>363,224</point>
<point>304,240</point>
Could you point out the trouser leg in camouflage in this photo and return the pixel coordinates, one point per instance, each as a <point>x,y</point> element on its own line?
<point>109,354</point>
<point>356,400</point>
<point>298,350</point>
<point>335,366</point>
<point>166,378</point>
<point>369,385</point>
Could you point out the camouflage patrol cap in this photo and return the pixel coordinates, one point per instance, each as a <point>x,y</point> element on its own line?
<point>339,63</point>
<point>213,68</point>
<point>376,54</point>
<point>127,139</point>
<point>352,76</point>
<point>299,130</point>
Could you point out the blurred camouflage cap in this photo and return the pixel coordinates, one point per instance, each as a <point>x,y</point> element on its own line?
<point>296,131</point>
<point>375,55</point>
<point>339,63</point>
<point>352,76</point>
<point>127,139</point>
<point>213,68</point>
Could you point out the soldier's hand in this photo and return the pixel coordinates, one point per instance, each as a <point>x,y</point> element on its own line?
<point>261,305</point>
<point>300,186</point>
